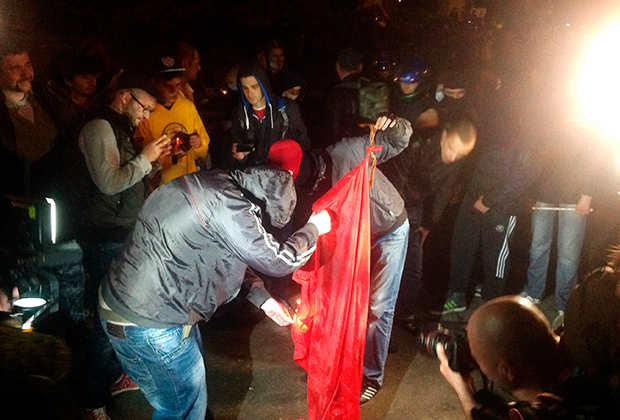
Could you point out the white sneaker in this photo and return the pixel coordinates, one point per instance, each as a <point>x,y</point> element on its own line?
<point>558,323</point>
<point>530,298</point>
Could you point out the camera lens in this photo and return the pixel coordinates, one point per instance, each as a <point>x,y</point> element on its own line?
<point>455,345</point>
<point>428,341</point>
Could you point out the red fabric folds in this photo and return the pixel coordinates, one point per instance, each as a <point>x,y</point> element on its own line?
<point>330,324</point>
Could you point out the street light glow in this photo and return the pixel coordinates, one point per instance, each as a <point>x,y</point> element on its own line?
<point>598,84</point>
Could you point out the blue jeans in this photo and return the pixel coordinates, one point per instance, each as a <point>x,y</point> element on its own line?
<point>387,259</point>
<point>571,233</point>
<point>170,371</point>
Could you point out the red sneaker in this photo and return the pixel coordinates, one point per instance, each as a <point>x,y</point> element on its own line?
<point>96,414</point>
<point>123,384</point>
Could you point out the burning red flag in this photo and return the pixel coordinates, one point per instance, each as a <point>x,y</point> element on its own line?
<point>330,325</point>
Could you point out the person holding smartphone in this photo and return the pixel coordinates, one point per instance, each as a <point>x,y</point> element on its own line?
<point>262,118</point>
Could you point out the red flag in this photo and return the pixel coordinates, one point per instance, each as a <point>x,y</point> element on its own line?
<point>330,324</point>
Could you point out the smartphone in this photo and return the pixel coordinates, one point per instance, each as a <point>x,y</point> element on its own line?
<point>245,147</point>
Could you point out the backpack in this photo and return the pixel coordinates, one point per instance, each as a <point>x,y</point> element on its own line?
<point>374,97</point>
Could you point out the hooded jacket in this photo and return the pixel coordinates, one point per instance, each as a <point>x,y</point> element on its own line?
<point>194,239</point>
<point>322,169</point>
<point>422,178</point>
<point>282,120</point>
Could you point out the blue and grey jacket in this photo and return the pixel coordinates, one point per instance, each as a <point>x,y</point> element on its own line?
<point>282,120</point>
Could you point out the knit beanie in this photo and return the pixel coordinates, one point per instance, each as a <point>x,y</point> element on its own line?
<point>286,154</point>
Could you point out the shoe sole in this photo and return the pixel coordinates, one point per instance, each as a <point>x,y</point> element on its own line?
<point>368,395</point>
<point>454,310</point>
<point>530,299</point>
<point>449,311</point>
<point>120,391</point>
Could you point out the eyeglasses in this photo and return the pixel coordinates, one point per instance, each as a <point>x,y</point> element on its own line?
<point>144,109</point>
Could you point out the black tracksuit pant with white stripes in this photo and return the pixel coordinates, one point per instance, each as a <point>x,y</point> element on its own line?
<point>492,232</point>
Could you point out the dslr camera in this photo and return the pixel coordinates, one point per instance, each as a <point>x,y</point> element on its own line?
<point>455,344</point>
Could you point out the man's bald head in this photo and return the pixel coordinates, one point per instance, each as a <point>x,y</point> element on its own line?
<point>514,345</point>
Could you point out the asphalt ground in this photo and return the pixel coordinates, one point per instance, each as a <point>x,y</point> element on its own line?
<point>251,374</point>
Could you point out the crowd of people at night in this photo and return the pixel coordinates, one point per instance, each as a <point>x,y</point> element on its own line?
<point>177,196</point>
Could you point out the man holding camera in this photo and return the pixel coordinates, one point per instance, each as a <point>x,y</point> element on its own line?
<point>173,114</point>
<point>513,344</point>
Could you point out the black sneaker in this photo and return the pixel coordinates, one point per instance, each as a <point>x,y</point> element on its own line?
<point>455,303</point>
<point>368,392</point>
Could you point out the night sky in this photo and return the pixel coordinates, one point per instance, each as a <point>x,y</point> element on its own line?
<point>230,30</point>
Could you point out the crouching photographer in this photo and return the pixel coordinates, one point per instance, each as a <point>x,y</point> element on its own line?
<point>515,348</point>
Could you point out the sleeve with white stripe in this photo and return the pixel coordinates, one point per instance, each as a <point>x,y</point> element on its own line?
<point>248,240</point>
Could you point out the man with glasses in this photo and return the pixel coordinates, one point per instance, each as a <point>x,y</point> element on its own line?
<point>110,185</point>
<point>174,115</point>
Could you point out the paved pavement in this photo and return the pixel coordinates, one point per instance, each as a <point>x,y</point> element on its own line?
<point>251,374</point>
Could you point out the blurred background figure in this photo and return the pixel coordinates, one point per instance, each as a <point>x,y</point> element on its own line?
<point>189,58</point>
<point>77,89</point>
<point>568,167</point>
<point>29,126</point>
<point>284,80</point>
<point>383,68</point>
<point>591,336</point>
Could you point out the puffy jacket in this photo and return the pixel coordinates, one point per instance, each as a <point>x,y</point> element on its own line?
<point>422,178</point>
<point>194,239</point>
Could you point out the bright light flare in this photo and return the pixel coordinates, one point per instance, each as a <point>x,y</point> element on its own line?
<point>52,218</point>
<point>598,84</point>
<point>29,303</point>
